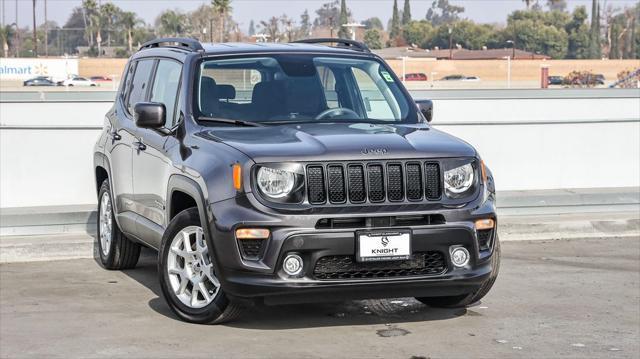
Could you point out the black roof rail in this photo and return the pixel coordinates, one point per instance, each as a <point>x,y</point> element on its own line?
<point>351,44</point>
<point>175,42</point>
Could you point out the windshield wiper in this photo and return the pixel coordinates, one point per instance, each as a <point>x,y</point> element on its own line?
<point>231,122</point>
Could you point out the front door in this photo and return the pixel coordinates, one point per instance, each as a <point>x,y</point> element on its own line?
<point>152,164</point>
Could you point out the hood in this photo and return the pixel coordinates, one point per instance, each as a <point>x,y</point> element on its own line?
<point>340,142</point>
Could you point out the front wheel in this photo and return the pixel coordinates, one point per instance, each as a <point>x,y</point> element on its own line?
<point>187,273</point>
<point>467,299</point>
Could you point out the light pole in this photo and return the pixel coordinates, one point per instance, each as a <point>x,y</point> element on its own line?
<point>35,31</point>
<point>513,48</point>
<point>508,71</point>
<point>46,31</point>
<point>450,43</point>
<point>211,30</point>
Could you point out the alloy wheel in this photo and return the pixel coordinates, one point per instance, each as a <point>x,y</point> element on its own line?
<point>190,269</point>
<point>106,223</point>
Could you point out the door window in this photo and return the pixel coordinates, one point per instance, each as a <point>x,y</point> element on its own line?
<point>165,88</point>
<point>139,84</point>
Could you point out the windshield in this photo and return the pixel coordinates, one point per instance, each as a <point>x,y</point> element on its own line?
<point>301,88</point>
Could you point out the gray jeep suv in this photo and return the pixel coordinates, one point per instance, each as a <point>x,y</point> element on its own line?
<point>288,173</point>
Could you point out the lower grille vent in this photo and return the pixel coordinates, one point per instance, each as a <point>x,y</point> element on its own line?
<point>345,267</point>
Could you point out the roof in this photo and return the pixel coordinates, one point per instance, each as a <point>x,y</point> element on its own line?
<point>459,54</point>
<point>241,47</point>
<point>308,45</point>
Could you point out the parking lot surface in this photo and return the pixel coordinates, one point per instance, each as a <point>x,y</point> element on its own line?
<point>574,298</point>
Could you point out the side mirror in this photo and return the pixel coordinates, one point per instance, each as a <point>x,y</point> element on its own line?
<point>426,107</point>
<point>149,115</point>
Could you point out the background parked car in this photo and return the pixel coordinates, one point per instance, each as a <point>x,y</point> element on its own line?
<point>39,81</point>
<point>77,81</point>
<point>453,78</point>
<point>555,80</point>
<point>100,79</point>
<point>471,78</point>
<point>415,77</point>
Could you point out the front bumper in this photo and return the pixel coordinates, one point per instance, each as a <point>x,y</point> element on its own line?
<point>293,233</point>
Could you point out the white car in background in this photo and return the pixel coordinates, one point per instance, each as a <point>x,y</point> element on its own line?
<point>77,81</point>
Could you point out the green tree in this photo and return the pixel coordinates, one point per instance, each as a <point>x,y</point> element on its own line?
<point>406,13</point>
<point>528,3</point>
<point>373,23</point>
<point>465,33</point>
<point>343,32</point>
<point>372,39</point>
<point>305,25</point>
<point>418,33</point>
<point>109,13</point>
<point>622,33</point>
<point>578,34</point>
<point>91,16</point>
<point>595,51</point>
<point>442,12</point>
<point>271,27</point>
<point>172,23</point>
<point>394,30</point>
<point>535,31</point>
<point>222,8</point>
<point>327,15</point>
<point>557,5</point>
<point>288,27</point>
<point>7,35</point>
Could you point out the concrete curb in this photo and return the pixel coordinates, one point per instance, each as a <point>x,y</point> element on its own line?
<point>510,228</point>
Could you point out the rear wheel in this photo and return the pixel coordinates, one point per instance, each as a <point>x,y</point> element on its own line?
<point>116,251</point>
<point>466,299</point>
<point>187,273</point>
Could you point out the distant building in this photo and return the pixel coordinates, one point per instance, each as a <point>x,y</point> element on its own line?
<point>459,54</point>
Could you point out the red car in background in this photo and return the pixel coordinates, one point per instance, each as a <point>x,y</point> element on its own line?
<point>100,79</point>
<point>415,77</point>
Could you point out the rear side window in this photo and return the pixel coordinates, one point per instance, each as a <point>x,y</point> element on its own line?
<point>165,88</point>
<point>139,84</point>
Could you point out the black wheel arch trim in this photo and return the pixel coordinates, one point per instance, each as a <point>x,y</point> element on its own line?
<point>187,185</point>
<point>101,160</point>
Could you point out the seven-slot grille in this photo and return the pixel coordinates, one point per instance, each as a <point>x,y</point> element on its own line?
<point>373,182</point>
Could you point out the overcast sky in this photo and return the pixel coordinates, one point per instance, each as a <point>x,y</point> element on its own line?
<point>491,11</point>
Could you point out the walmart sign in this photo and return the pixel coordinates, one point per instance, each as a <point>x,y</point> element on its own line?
<point>23,69</point>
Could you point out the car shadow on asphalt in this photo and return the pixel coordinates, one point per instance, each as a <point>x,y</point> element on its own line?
<point>389,312</point>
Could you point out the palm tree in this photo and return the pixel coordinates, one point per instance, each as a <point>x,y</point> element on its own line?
<point>7,34</point>
<point>89,10</point>
<point>128,21</point>
<point>222,8</point>
<point>109,12</point>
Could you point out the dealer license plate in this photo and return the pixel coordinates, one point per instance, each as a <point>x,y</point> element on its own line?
<point>383,246</point>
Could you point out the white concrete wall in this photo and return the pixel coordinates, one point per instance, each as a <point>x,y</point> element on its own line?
<point>529,143</point>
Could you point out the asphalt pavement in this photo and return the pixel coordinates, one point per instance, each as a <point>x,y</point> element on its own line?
<point>575,298</point>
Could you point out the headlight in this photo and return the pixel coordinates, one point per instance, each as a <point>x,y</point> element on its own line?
<point>458,180</point>
<point>275,183</point>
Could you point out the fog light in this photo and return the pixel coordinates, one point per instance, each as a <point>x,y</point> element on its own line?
<point>292,264</point>
<point>459,256</point>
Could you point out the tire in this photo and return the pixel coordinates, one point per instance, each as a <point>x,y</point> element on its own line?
<point>115,249</point>
<point>467,299</point>
<point>187,272</point>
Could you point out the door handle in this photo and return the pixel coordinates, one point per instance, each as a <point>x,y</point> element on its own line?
<point>141,146</point>
<point>115,136</point>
